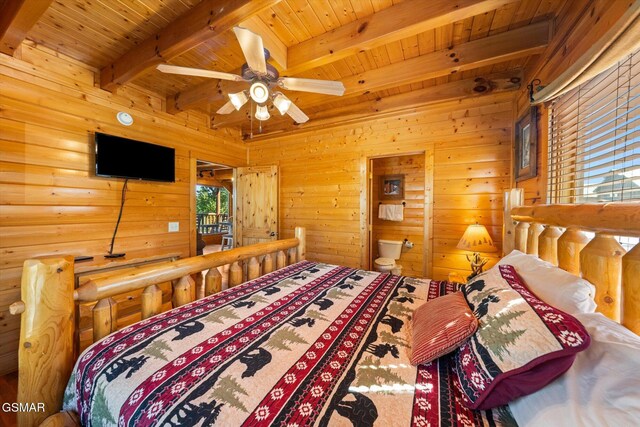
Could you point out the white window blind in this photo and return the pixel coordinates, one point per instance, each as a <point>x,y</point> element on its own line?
<point>594,138</point>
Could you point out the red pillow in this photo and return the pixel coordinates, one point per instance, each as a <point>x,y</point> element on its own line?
<point>440,326</point>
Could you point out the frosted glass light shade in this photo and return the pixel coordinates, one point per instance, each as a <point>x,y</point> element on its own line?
<point>476,239</point>
<point>262,113</point>
<point>259,92</point>
<point>282,103</point>
<point>238,99</point>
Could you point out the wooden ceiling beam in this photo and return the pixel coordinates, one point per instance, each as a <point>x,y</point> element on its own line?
<point>468,88</point>
<point>207,19</point>
<point>16,19</point>
<point>394,23</point>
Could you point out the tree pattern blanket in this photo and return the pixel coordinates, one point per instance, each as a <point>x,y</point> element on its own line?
<point>310,344</point>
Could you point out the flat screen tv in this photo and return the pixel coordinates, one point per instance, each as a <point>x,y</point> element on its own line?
<point>118,157</point>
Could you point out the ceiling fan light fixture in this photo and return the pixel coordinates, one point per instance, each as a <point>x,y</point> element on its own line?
<point>281,102</point>
<point>259,92</point>
<point>262,113</point>
<point>238,99</point>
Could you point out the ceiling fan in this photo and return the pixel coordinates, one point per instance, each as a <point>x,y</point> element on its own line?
<point>264,79</point>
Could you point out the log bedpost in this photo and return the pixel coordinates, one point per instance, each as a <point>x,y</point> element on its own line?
<point>253,269</point>
<point>267,264</point>
<point>301,235</point>
<point>512,199</point>
<point>182,291</point>
<point>601,264</point>
<point>281,260</point>
<point>235,274</point>
<point>548,244</point>
<point>570,244</point>
<point>212,282</point>
<point>631,289</point>
<point>46,353</point>
<point>105,318</point>
<point>521,232</point>
<point>533,237</point>
<point>151,301</point>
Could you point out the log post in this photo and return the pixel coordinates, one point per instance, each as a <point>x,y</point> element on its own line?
<point>45,355</point>
<point>548,244</point>
<point>281,260</point>
<point>253,270</point>
<point>212,282</point>
<point>532,238</point>
<point>522,232</point>
<point>235,274</point>
<point>267,264</point>
<point>292,259</point>
<point>631,289</point>
<point>151,301</point>
<point>198,287</point>
<point>182,291</point>
<point>601,264</point>
<point>62,419</point>
<point>301,235</point>
<point>105,318</point>
<point>512,198</point>
<point>570,244</point>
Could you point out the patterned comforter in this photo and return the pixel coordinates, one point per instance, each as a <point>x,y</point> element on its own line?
<point>311,344</point>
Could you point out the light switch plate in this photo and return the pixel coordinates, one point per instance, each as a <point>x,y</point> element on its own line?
<point>174,227</point>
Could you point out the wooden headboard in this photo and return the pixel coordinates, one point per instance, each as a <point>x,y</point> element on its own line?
<point>558,234</point>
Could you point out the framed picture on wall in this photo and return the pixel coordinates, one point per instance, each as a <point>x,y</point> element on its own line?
<point>526,149</point>
<point>391,187</point>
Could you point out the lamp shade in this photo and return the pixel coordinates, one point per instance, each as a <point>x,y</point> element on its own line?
<point>476,239</point>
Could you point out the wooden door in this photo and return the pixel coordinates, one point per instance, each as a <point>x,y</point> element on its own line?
<point>256,205</point>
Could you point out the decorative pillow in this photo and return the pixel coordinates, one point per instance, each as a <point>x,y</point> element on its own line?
<point>440,326</point>
<point>521,345</point>
<point>553,285</point>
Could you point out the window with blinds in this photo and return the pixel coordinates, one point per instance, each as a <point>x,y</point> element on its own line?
<point>594,138</point>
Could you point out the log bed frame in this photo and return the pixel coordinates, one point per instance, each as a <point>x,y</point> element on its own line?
<point>48,345</point>
<point>48,349</point>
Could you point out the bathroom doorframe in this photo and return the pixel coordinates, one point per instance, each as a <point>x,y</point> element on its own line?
<point>367,213</point>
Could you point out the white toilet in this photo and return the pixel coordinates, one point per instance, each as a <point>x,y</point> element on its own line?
<point>389,251</point>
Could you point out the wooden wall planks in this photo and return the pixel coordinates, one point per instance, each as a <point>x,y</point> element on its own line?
<point>323,176</point>
<point>50,202</point>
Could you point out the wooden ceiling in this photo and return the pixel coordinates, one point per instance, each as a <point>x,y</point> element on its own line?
<point>389,54</point>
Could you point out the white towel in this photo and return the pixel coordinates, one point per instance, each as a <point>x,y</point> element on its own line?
<point>391,212</point>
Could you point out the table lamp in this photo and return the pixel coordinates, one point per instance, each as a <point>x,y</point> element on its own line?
<point>476,239</point>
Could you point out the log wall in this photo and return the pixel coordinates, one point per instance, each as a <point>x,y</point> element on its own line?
<point>50,202</point>
<point>324,183</point>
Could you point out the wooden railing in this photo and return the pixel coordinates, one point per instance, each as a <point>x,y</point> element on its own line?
<point>49,305</point>
<point>556,233</point>
<point>212,223</point>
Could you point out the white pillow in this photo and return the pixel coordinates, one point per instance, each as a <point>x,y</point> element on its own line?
<point>553,285</point>
<point>602,387</point>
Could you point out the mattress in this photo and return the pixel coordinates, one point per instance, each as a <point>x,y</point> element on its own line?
<point>310,344</point>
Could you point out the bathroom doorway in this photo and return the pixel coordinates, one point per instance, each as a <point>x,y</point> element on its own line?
<point>397,213</point>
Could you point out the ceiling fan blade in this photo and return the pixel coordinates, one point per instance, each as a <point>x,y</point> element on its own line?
<point>227,108</point>
<point>328,87</point>
<point>297,114</point>
<point>186,71</point>
<point>253,49</point>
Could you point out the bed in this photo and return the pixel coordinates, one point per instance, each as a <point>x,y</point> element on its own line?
<point>301,343</point>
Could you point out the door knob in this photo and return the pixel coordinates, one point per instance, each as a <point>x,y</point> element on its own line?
<point>273,234</point>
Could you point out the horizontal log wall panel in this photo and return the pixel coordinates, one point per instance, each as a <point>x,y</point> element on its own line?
<point>323,176</point>
<point>51,201</point>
